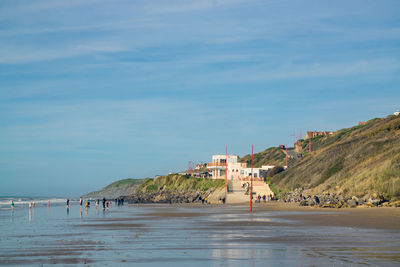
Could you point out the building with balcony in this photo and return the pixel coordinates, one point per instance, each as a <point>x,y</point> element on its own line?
<point>223,166</point>
<point>219,165</point>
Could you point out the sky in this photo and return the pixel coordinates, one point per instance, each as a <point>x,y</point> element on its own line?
<point>95,91</point>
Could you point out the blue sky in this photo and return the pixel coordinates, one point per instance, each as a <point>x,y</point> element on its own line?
<point>94,91</point>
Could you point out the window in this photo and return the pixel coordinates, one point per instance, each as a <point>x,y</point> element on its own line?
<point>255,175</point>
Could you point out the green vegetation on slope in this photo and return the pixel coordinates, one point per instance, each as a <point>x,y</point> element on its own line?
<point>176,182</point>
<point>358,161</point>
<point>116,189</point>
<point>269,156</point>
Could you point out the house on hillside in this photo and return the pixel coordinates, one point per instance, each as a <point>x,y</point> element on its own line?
<point>227,166</point>
<point>221,163</point>
<point>313,134</point>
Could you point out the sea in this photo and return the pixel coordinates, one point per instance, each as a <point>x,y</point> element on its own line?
<point>179,235</point>
<point>24,201</point>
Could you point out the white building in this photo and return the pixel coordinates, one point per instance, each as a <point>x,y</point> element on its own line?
<point>236,170</point>
<point>397,113</point>
<point>220,163</point>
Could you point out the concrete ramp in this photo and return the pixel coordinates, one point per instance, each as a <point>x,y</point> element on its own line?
<point>237,194</point>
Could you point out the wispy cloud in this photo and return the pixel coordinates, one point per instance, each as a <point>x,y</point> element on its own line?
<point>26,54</point>
<point>311,70</point>
<point>182,6</point>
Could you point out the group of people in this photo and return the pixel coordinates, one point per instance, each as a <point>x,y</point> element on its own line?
<point>203,200</point>
<point>265,198</point>
<point>104,202</point>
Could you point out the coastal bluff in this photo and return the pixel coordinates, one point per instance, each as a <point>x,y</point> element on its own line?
<point>116,189</point>
<point>176,188</point>
<point>173,188</point>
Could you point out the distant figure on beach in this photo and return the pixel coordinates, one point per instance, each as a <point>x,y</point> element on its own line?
<point>12,204</point>
<point>104,203</point>
<point>80,201</point>
<point>97,203</point>
<point>48,203</point>
<point>67,203</point>
<point>316,200</point>
<point>107,203</point>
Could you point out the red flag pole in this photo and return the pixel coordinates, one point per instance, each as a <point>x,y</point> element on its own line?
<point>286,156</point>
<point>251,181</point>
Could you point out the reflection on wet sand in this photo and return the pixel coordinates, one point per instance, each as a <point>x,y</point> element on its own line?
<point>188,235</point>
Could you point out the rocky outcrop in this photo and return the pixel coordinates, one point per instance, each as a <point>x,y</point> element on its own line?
<point>169,196</point>
<point>336,200</point>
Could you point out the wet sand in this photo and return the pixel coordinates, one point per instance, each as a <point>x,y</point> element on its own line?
<point>385,218</point>
<point>202,235</point>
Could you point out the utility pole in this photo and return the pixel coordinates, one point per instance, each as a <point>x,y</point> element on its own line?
<point>294,137</point>
<point>251,181</point>
<point>226,171</point>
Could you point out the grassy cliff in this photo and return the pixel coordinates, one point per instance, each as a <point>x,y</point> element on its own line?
<point>179,183</point>
<point>116,189</point>
<point>173,188</point>
<point>176,188</point>
<point>271,155</point>
<point>358,161</point>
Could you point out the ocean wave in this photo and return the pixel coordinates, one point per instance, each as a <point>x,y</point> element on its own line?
<point>25,201</point>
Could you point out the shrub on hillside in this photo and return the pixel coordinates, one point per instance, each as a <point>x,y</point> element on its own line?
<point>275,171</point>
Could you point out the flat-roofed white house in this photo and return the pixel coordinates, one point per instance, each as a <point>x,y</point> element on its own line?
<point>235,170</point>
<point>220,163</point>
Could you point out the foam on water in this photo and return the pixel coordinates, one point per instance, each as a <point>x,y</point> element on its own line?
<point>5,202</point>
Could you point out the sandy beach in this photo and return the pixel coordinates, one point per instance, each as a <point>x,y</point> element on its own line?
<point>201,235</point>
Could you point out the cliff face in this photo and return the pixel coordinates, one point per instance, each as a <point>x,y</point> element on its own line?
<point>360,161</point>
<point>116,189</point>
<point>177,188</point>
<point>173,188</point>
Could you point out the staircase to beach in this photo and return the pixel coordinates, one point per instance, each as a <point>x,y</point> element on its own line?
<point>237,194</point>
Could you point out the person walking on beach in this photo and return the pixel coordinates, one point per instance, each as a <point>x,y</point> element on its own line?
<point>67,203</point>
<point>80,201</point>
<point>104,203</point>
<point>12,204</point>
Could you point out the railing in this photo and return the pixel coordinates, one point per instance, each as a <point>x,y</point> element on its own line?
<point>248,178</point>
<point>216,164</point>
